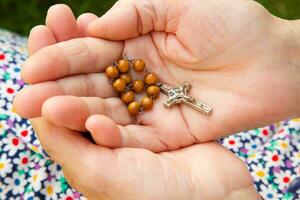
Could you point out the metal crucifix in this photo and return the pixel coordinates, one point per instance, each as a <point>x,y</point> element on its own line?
<point>178,95</point>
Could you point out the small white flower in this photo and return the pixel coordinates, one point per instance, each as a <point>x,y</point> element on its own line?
<point>9,90</point>
<point>16,183</point>
<point>232,143</point>
<point>284,179</point>
<point>23,131</point>
<point>12,144</point>
<point>22,161</point>
<point>68,195</point>
<point>254,157</point>
<point>36,178</point>
<point>269,193</point>
<point>5,165</point>
<point>259,173</point>
<point>254,145</point>
<point>52,188</point>
<point>274,159</point>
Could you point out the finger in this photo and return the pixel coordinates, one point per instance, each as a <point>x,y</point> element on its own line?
<point>60,143</point>
<point>89,85</point>
<point>72,112</point>
<point>128,19</point>
<point>84,55</point>
<point>83,21</point>
<point>40,37</point>
<point>106,132</point>
<point>77,155</point>
<point>61,20</point>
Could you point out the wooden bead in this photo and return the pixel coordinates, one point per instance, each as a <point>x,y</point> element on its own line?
<point>139,65</point>
<point>153,91</point>
<point>147,103</point>
<point>128,97</point>
<point>123,66</point>
<point>138,86</point>
<point>119,85</point>
<point>134,108</point>
<point>111,72</point>
<point>126,77</point>
<point>151,79</point>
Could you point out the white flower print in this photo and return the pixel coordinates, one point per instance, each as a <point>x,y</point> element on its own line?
<point>269,193</point>
<point>30,196</point>
<point>55,169</point>
<point>68,195</point>
<point>259,173</point>
<point>51,189</point>
<point>5,165</point>
<point>12,144</point>
<point>36,178</point>
<point>71,194</point>
<point>273,159</point>
<point>14,71</point>
<point>5,58</point>
<point>254,145</point>
<point>284,179</point>
<point>254,157</point>
<point>13,115</point>
<point>284,147</point>
<point>23,132</point>
<point>22,161</point>
<point>16,183</point>
<point>233,143</point>
<point>9,90</point>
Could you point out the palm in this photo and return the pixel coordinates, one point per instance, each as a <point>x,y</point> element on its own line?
<point>172,175</point>
<point>218,53</point>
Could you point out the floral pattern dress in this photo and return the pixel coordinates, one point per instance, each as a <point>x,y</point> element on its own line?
<point>26,172</point>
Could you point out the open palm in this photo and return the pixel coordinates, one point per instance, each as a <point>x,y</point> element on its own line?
<point>221,49</point>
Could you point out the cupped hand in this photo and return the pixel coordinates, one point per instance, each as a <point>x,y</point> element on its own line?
<point>199,172</point>
<point>224,48</point>
<point>132,173</point>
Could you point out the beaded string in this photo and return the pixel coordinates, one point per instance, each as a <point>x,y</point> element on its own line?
<point>121,79</point>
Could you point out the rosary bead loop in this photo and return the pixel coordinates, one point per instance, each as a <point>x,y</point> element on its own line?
<point>123,83</point>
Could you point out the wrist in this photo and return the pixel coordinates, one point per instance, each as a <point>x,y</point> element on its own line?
<point>289,37</point>
<point>294,58</point>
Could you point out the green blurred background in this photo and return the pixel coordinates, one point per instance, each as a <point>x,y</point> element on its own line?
<point>21,15</point>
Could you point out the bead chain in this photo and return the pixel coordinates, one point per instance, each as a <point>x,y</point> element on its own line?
<point>119,75</point>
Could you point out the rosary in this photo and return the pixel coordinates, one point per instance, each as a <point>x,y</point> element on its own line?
<point>121,79</point>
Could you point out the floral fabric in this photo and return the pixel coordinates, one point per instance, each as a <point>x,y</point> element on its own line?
<point>26,172</point>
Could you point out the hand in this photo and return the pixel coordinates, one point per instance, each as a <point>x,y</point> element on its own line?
<point>192,173</point>
<point>229,61</point>
<point>101,173</point>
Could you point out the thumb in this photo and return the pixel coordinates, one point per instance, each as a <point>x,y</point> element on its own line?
<point>130,18</point>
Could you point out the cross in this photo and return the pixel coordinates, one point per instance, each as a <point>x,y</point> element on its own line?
<point>178,95</point>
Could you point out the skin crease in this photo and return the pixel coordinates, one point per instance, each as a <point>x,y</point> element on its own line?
<point>124,174</point>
